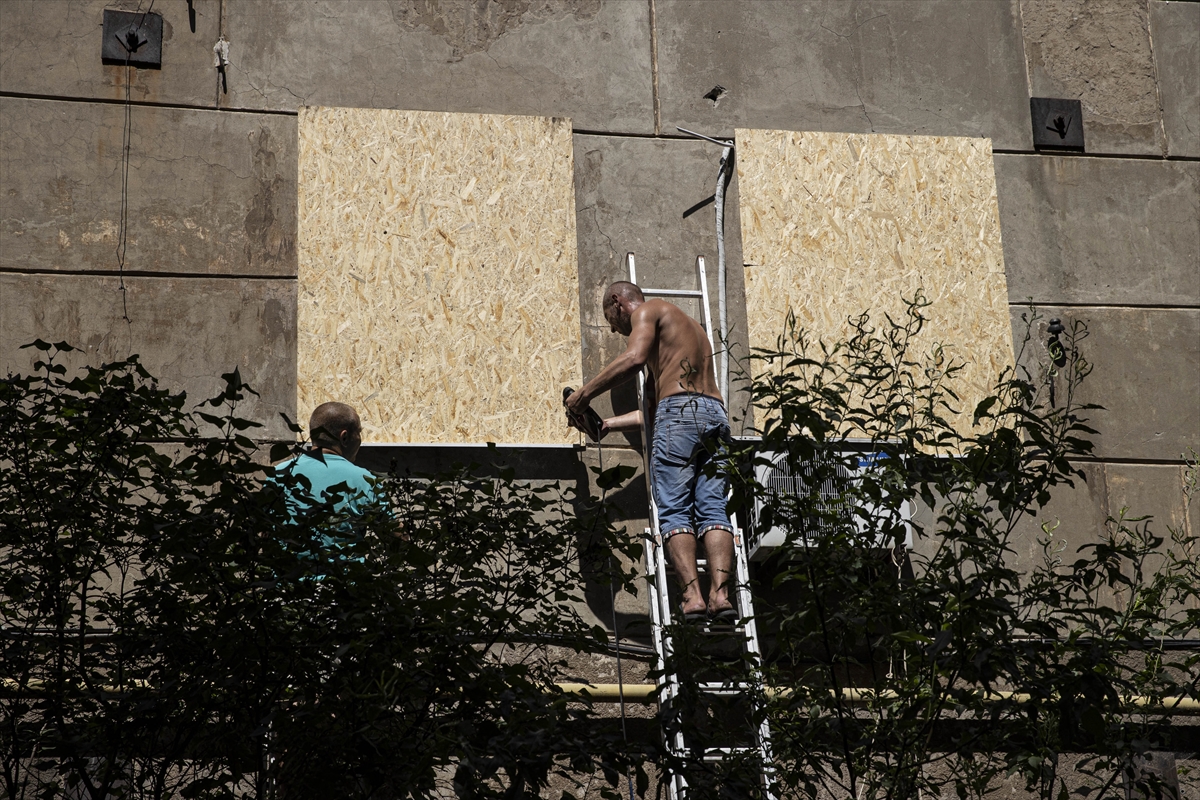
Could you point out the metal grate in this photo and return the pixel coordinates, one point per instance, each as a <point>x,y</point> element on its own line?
<point>835,507</point>
<point>832,506</point>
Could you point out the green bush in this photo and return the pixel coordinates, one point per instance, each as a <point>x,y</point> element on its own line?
<point>959,668</point>
<point>165,636</point>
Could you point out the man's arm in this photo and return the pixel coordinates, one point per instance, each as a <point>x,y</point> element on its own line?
<point>630,421</point>
<point>624,366</point>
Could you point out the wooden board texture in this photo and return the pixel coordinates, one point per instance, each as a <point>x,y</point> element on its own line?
<point>835,224</point>
<point>439,286</point>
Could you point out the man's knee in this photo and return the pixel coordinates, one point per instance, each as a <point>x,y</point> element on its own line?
<point>715,527</point>
<point>676,531</point>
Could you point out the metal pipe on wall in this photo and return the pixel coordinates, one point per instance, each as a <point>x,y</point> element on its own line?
<point>722,182</point>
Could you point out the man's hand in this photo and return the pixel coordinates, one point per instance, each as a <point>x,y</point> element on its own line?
<point>575,403</point>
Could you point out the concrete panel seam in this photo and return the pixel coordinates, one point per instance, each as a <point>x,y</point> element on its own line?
<point>1024,55</point>
<point>1105,156</point>
<point>1130,461</point>
<point>667,137</point>
<point>1162,112</point>
<point>220,76</point>
<point>1131,306</point>
<point>656,107</point>
<point>128,273</point>
<point>146,104</point>
<point>1184,488</point>
<point>1104,509</point>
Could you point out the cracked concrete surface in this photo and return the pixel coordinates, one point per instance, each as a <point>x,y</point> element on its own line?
<point>1100,231</point>
<point>71,65</point>
<point>469,27</point>
<point>208,192</point>
<point>1175,38</point>
<point>188,332</point>
<point>937,68</point>
<point>1097,51</point>
<point>587,61</point>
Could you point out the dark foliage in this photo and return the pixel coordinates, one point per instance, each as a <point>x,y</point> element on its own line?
<point>171,631</point>
<point>951,667</point>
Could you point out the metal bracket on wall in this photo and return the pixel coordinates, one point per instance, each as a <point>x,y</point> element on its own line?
<point>132,38</point>
<point>1057,124</point>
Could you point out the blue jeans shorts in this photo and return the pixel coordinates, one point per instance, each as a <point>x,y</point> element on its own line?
<point>689,429</point>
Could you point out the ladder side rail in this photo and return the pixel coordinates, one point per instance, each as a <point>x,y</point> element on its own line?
<point>655,555</point>
<point>742,575</point>
<point>762,734</point>
<point>660,617</point>
<point>631,266</point>
<point>670,292</point>
<point>745,603</point>
<point>742,586</point>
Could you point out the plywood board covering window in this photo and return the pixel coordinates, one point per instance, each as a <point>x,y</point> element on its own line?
<point>439,288</point>
<point>835,224</point>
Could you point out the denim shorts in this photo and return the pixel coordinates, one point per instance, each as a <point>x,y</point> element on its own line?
<point>689,430</point>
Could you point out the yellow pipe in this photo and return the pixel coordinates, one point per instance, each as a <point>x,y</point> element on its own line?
<point>644,691</point>
<point>37,684</point>
<point>610,692</point>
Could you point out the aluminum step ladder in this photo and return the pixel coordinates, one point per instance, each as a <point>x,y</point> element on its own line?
<point>661,615</point>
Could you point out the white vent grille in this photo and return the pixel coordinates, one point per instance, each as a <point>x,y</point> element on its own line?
<point>778,480</point>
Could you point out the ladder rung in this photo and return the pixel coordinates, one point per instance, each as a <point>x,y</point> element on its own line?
<point>713,754</point>
<point>711,627</point>
<point>672,292</point>
<point>728,689</point>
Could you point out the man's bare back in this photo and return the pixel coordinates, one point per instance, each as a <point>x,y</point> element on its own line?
<point>681,357</point>
<point>661,337</point>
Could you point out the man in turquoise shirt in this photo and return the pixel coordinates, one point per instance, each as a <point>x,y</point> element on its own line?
<point>328,467</point>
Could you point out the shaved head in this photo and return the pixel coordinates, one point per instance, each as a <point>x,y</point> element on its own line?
<point>329,421</point>
<point>625,289</point>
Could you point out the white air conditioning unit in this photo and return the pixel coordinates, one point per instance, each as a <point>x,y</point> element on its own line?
<point>778,480</point>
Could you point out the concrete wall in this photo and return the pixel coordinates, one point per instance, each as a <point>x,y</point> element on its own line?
<point>1111,237</point>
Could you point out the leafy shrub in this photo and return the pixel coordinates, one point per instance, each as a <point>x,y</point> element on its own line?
<point>955,666</point>
<point>166,633</point>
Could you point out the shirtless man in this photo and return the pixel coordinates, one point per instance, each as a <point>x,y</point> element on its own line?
<point>689,423</point>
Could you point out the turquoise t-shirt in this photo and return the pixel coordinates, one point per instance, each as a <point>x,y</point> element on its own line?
<point>332,477</point>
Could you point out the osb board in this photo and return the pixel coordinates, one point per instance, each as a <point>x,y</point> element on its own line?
<point>835,224</point>
<point>439,289</point>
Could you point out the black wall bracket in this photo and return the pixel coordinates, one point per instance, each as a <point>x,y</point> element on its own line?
<point>1057,124</point>
<point>132,37</point>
